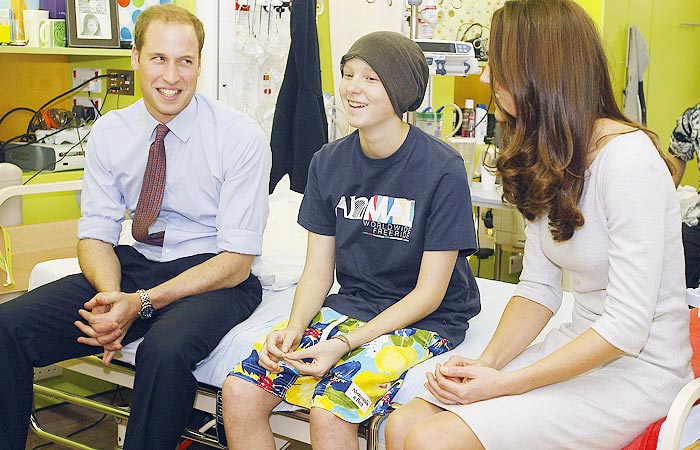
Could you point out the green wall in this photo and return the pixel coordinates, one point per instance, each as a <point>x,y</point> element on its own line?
<point>672,80</point>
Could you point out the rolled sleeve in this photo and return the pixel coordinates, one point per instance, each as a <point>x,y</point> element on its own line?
<point>243,206</point>
<point>101,229</point>
<point>540,280</point>
<point>102,204</point>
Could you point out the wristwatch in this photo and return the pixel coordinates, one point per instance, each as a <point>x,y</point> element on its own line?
<point>146,305</point>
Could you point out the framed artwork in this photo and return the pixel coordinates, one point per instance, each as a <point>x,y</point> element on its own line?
<point>92,23</point>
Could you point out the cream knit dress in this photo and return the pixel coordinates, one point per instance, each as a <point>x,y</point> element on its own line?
<point>628,283</point>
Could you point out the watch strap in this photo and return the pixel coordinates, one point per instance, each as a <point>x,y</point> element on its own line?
<point>146,306</point>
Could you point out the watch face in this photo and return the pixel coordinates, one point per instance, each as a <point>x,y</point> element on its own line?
<point>147,312</point>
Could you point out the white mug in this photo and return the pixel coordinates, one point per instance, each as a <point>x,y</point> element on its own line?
<point>32,22</point>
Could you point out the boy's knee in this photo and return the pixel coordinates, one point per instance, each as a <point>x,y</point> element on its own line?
<point>236,392</point>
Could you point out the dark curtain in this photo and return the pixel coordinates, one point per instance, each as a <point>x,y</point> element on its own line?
<point>299,126</point>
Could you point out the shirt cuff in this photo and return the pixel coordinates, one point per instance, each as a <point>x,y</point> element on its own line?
<point>546,296</point>
<point>619,336</point>
<point>100,229</point>
<point>240,241</point>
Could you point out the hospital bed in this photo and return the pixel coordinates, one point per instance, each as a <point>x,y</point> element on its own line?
<point>279,269</point>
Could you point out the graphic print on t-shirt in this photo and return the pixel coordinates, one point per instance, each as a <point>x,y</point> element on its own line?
<point>382,216</point>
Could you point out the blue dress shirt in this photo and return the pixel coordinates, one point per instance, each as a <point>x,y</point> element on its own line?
<point>216,188</point>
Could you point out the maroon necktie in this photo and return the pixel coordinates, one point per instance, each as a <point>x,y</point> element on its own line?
<point>152,189</point>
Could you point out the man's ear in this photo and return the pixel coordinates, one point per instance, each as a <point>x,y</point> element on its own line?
<point>134,58</point>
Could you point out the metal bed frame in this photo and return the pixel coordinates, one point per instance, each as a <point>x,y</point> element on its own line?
<point>285,425</point>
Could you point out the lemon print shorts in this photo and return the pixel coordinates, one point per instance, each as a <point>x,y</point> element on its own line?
<point>362,383</point>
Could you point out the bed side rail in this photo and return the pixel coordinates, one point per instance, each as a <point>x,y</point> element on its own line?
<point>284,424</point>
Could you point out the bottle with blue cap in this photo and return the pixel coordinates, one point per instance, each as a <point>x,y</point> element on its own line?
<point>468,118</point>
<point>481,123</point>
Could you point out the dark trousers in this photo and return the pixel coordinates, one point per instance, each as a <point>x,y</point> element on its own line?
<point>37,329</point>
<point>691,248</point>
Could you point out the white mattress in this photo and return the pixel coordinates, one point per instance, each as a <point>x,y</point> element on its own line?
<point>275,307</point>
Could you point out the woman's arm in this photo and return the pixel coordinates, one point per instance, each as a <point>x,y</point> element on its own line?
<point>586,352</point>
<point>679,168</point>
<point>521,322</point>
<point>472,383</point>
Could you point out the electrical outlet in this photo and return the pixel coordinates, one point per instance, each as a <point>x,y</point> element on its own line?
<point>123,85</point>
<point>42,373</point>
<point>81,75</point>
<point>91,112</point>
<point>515,264</point>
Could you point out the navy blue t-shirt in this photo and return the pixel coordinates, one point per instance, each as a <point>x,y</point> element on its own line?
<point>384,213</point>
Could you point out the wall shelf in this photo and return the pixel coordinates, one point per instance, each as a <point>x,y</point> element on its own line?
<point>70,51</point>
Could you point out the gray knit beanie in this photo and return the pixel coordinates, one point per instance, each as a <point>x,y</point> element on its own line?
<point>399,63</point>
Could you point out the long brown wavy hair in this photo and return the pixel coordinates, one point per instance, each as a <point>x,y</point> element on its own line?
<point>549,56</point>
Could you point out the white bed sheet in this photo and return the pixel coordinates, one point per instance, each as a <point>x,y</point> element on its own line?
<point>275,307</point>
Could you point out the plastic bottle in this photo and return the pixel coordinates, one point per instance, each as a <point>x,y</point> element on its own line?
<point>481,123</point>
<point>468,118</point>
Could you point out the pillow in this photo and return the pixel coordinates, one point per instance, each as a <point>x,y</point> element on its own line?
<point>284,241</point>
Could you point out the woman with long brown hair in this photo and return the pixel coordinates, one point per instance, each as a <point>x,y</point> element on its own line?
<point>601,205</point>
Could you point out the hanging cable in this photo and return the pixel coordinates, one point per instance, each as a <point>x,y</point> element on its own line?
<point>76,88</point>
<point>20,108</point>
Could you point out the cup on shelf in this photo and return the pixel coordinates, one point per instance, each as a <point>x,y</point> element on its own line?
<point>31,22</point>
<point>52,33</point>
<point>17,31</point>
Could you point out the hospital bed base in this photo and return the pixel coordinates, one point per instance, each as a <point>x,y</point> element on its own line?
<point>285,425</point>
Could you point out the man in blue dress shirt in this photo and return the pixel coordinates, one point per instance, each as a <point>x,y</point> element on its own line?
<point>182,295</point>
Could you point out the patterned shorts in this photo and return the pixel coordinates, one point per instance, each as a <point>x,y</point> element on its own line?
<point>362,383</point>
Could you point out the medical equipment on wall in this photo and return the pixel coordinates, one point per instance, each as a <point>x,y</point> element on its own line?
<point>477,39</point>
<point>430,120</point>
<point>253,47</point>
<point>445,57</point>
<point>428,17</point>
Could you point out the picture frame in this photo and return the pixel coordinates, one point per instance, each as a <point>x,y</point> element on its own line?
<point>92,23</point>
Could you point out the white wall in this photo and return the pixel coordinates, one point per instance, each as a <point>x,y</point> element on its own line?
<point>208,13</point>
<point>351,19</point>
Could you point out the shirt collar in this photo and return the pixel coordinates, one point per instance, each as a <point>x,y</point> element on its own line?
<point>181,125</point>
